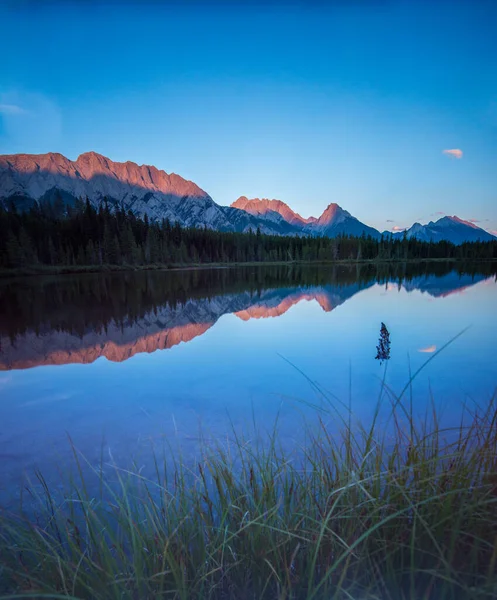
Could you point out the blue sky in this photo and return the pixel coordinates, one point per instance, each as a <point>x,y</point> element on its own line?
<point>341,102</point>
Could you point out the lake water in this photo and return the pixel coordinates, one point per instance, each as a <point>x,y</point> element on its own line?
<point>122,361</point>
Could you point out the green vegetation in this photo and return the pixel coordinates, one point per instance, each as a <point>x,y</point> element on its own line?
<point>59,236</point>
<point>404,511</point>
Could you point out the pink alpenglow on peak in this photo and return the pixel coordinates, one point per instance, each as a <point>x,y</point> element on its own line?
<point>333,221</point>
<point>54,170</point>
<point>454,219</point>
<point>148,191</point>
<point>256,206</point>
<point>143,190</point>
<point>332,214</point>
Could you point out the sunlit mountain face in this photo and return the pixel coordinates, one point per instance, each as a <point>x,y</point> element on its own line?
<point>26,179</point>
<point>80,319</point>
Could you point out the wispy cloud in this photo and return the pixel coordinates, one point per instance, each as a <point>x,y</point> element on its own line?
<point>474,220</point>
<point>494,232</point>
<point>439,212</point>
<point>397,228</point>
<point>390,221</point>
<point>428,349</point>
<point>29,119</point>
<point>454,153</point>
<point>12,109</point>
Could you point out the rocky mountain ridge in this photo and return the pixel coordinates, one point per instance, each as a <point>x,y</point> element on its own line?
<point>332,222</point>
<point>146,190</point>
<point>275,209</point>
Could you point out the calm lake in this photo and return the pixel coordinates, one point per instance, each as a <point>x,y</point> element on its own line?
<point>122,362</point>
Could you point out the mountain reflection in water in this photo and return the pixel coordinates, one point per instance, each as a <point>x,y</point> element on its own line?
<point>78,319</point>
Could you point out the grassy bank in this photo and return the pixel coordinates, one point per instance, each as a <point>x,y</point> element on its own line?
<point>411,514</point>
<point>107,268</point>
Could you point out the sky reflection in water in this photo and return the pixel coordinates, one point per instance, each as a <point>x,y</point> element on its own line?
<point>130,358</point>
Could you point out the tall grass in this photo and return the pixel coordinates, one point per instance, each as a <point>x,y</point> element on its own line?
<point>365,514</point>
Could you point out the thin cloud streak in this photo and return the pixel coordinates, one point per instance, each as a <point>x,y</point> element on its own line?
<point>12,109</point>
<point>428,349</point>
<point>454,153</point>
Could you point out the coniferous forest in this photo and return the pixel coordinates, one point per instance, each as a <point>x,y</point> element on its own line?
<point>80,235</point>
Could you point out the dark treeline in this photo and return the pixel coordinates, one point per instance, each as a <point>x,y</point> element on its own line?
<point>59,235</point>
<point>79,303</point>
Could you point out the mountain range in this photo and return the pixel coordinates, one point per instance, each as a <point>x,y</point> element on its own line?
<point>146,190</point>
<point>452,229</point>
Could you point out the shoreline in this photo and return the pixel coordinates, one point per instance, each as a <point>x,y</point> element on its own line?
<point>41,270</point>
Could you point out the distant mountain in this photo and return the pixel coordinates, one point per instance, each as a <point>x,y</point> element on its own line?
<point>336,221</point>
<point>451,229</point>
<point>145,190</point>
<point>333,222</point>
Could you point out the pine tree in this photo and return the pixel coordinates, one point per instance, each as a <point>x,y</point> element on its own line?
<point>59,207</point>
<point>14,251</point>
<point>128,244</point>
<point>85,234</point>
<point>29,256</point>
<point>81,258</point>
<point>91,255</point>
<point>112,252</point>
<point>52,255</point>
